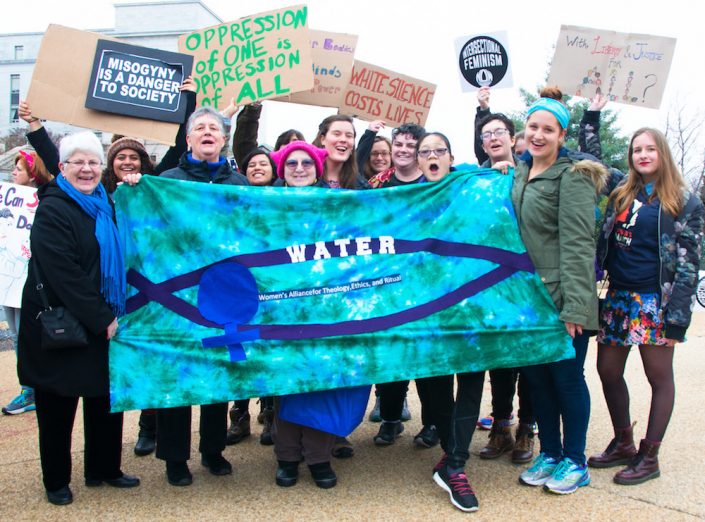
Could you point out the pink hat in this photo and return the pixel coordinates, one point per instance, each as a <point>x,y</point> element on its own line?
<point>318,156</point>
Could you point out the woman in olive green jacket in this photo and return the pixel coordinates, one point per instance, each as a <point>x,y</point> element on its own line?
<point>554,198</point>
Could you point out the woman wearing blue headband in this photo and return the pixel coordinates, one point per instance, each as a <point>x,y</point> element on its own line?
<point>554,197</point>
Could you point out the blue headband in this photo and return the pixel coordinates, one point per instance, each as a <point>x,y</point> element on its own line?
<point>555,107</point>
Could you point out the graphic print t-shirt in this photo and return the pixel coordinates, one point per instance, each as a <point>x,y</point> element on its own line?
<point>633,261</point>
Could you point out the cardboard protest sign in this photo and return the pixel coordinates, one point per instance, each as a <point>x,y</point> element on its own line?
<point>137,81</point>
<point>333,55</point>
<point>254,58</point>
<point>375,93</point>
<point>483,61</point>
<point>60,82</point>
<point>626,68</point>
<point>17,207</point>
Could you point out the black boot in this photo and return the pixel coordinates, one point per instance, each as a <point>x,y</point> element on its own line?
<point>323,475</point>
<point>146,439</point>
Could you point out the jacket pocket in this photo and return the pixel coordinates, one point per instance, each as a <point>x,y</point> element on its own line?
<point>551,278</point>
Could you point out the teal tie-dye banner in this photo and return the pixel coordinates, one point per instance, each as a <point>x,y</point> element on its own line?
<point>243,292</point>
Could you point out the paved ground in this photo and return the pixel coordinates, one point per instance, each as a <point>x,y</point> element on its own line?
<point>392,483</point>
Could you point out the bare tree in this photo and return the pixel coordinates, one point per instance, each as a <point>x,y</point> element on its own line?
<point>684,130</point>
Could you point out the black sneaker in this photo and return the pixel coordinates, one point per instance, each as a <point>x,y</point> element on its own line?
<point>388,432</point>
<point>216,464</point>
<point>456,484</point>
<point>427,437</point>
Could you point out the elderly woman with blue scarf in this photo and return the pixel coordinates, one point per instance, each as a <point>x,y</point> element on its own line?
<point>554,197</point>
<point>77,257</point>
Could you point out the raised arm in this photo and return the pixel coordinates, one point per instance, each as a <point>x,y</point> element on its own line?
<point>246,129</point>
<point>39,139</point>
<point>483,109</point>
<point>171,158</point>
<point>589,133</point>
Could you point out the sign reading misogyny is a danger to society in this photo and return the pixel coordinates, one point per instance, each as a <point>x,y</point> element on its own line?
<point>138,81</point>
<point>483,61</point>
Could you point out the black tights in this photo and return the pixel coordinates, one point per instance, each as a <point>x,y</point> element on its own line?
<point>658,366</point>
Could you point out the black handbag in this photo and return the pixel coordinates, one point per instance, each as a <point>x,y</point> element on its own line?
<point>60,328</point>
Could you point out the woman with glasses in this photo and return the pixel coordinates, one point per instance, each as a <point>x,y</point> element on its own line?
<point>300,164</point>
<point>496,132</point>
<point>554,198</point>
<point>454,416</point>
<point>374,153</point>
<point>77,257</point>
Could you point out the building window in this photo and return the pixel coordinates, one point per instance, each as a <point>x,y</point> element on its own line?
<point>14,97</point>
<point>19,52</point>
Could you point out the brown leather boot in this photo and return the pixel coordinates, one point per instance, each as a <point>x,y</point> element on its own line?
<point>501,441</point>
<point>265,437</point>
<point>620,451</point>
<point>524,447</point>
<point>643,467</point>
<point>239,426</point>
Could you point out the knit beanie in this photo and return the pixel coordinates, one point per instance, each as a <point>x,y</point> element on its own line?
<point>128,143</point>
<point>317,155</point>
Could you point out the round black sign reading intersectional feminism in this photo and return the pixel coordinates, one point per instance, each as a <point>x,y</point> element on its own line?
<point>483,61</point>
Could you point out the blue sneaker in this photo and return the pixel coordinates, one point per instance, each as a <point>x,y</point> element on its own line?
<point>541,470</point>
<point>568,477</point>
<point>20,404</point>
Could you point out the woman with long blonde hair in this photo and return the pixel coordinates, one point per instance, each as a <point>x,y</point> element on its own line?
<point>650,245</point>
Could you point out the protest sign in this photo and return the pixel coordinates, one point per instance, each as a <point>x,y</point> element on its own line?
<point>17,207</point>
<point>60,82</point>
<point>137,81</point>
<point>483,61</point>
<point>626,68</point>
<point>375,93</point>
<point>333,55</point>
<point>254,58</point>
<point>240,292</point>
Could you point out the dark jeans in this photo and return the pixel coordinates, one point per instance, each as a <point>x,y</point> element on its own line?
<point>559,392</point>
<point>503,382</point>
<point>456,423</point>
<point>102,432</point>
<point>174,431</point>
<point>392,395</point>
<point>391,399</point>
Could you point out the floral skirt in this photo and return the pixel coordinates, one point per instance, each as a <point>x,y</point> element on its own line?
<point>629,318</point>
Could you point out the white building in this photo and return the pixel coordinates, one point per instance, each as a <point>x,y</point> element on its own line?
<point>150,24</point>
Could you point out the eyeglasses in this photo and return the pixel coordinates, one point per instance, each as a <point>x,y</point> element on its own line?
<point>436,152</point>
<point>379,154</point>
<point>305,163</point>
<point>497,133</point>
<point>92,164</point>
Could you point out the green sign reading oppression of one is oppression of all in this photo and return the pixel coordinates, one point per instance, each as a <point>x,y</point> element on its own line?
<point>243,292</point>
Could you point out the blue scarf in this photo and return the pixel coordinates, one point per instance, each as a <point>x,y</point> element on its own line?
<point>112,263</point>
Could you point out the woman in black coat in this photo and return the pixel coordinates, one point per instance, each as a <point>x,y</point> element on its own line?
<point>77,258</point>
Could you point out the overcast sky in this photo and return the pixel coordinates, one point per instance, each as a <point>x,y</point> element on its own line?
<point>416,38</point>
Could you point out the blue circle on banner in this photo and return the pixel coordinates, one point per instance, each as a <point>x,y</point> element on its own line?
<point>483,61</point>
<point>228,293</point>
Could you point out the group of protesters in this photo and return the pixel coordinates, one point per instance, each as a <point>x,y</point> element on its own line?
<point>646,238</point>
